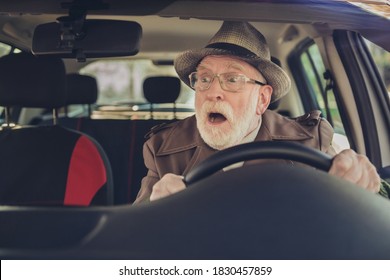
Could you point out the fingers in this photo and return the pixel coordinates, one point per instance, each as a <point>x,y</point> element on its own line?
<point>168,184</point>
<point>357,169</point>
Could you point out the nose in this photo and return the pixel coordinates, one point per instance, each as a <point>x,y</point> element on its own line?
<point>215,91</point>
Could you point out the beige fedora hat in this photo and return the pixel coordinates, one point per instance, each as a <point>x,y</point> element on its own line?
<point>242,40</point>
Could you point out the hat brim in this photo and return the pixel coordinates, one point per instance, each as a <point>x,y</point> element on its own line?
<point>276,77</point>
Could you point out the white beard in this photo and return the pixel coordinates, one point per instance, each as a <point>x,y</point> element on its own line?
<point>221,138</point>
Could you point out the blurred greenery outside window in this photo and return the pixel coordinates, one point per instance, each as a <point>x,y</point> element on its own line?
<point>4,49</point>
<point>314,70</point>
<point>382,61</point>
<point>121,81</point>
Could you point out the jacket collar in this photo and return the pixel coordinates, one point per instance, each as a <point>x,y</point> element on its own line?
<point>275,127</point>
<point>185,136</point>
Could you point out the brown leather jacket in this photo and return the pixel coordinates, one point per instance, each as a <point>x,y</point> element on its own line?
<point>178,147</point>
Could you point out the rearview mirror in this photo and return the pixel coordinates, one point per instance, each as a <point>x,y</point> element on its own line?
<point>97,38</point>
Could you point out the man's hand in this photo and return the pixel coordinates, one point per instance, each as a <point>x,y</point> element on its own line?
<point>168,184</point>
<point>356,169</point>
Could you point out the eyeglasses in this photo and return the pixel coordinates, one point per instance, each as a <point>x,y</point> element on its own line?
<point>232,82</point>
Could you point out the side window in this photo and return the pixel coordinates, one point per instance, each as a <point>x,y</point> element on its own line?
<point>4,50</point>
<point>382,61</point>
<point>318,88</point>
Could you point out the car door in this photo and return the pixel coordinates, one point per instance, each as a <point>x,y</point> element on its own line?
<point>339,75</point>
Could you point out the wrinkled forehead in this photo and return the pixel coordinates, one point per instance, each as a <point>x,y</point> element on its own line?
<point>227,63</point>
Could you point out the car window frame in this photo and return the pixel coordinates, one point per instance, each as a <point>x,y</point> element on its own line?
<point>307,93</point>
<point>363,77</point>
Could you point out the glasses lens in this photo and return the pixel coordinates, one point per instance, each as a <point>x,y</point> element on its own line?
<point>201,82</point>
<point>193,79</point>
<point>232,81</point>
<point>229,81</point>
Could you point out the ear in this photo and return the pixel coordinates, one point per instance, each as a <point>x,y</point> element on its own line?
<point>265,94</point>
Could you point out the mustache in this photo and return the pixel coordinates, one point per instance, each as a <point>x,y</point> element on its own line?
<point>220,107</point>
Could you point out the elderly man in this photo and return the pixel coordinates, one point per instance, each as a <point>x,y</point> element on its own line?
<point>235,81</point>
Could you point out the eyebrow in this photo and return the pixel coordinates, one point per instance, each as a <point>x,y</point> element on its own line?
<point>232,65</point>
<point>239,67</point>
<point>201,67</point>
<point>236,66</point>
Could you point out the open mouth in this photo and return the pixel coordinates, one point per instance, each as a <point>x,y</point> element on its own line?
<point>216,118</point>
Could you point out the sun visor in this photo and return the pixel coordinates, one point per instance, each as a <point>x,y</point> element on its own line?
<point>94,38</point>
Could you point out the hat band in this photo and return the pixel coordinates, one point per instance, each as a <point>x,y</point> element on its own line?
<point>232,48</point>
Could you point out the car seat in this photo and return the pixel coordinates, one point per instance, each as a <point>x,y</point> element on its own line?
<point>81,90</point>
<point>47,164</point>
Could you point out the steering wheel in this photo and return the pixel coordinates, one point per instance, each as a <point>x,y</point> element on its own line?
<point>259,150</point>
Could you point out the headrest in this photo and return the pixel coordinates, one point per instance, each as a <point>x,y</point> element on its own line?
<point>162,89</point>
<point>29,81</point>
<point>81,89</point>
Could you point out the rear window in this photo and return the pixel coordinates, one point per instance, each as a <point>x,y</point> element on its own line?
<point>121,81</point>
<point>120,90</point>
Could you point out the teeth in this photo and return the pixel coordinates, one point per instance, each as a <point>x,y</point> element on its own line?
<point>212,117</point>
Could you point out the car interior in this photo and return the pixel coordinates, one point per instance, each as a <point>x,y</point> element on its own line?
<point>83,85</point>
<point>77,173</point>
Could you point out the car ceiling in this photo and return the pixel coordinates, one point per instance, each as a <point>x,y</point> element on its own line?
<point>19,18</point>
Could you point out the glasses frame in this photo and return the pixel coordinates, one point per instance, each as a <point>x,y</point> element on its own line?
<point>246,80</point>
